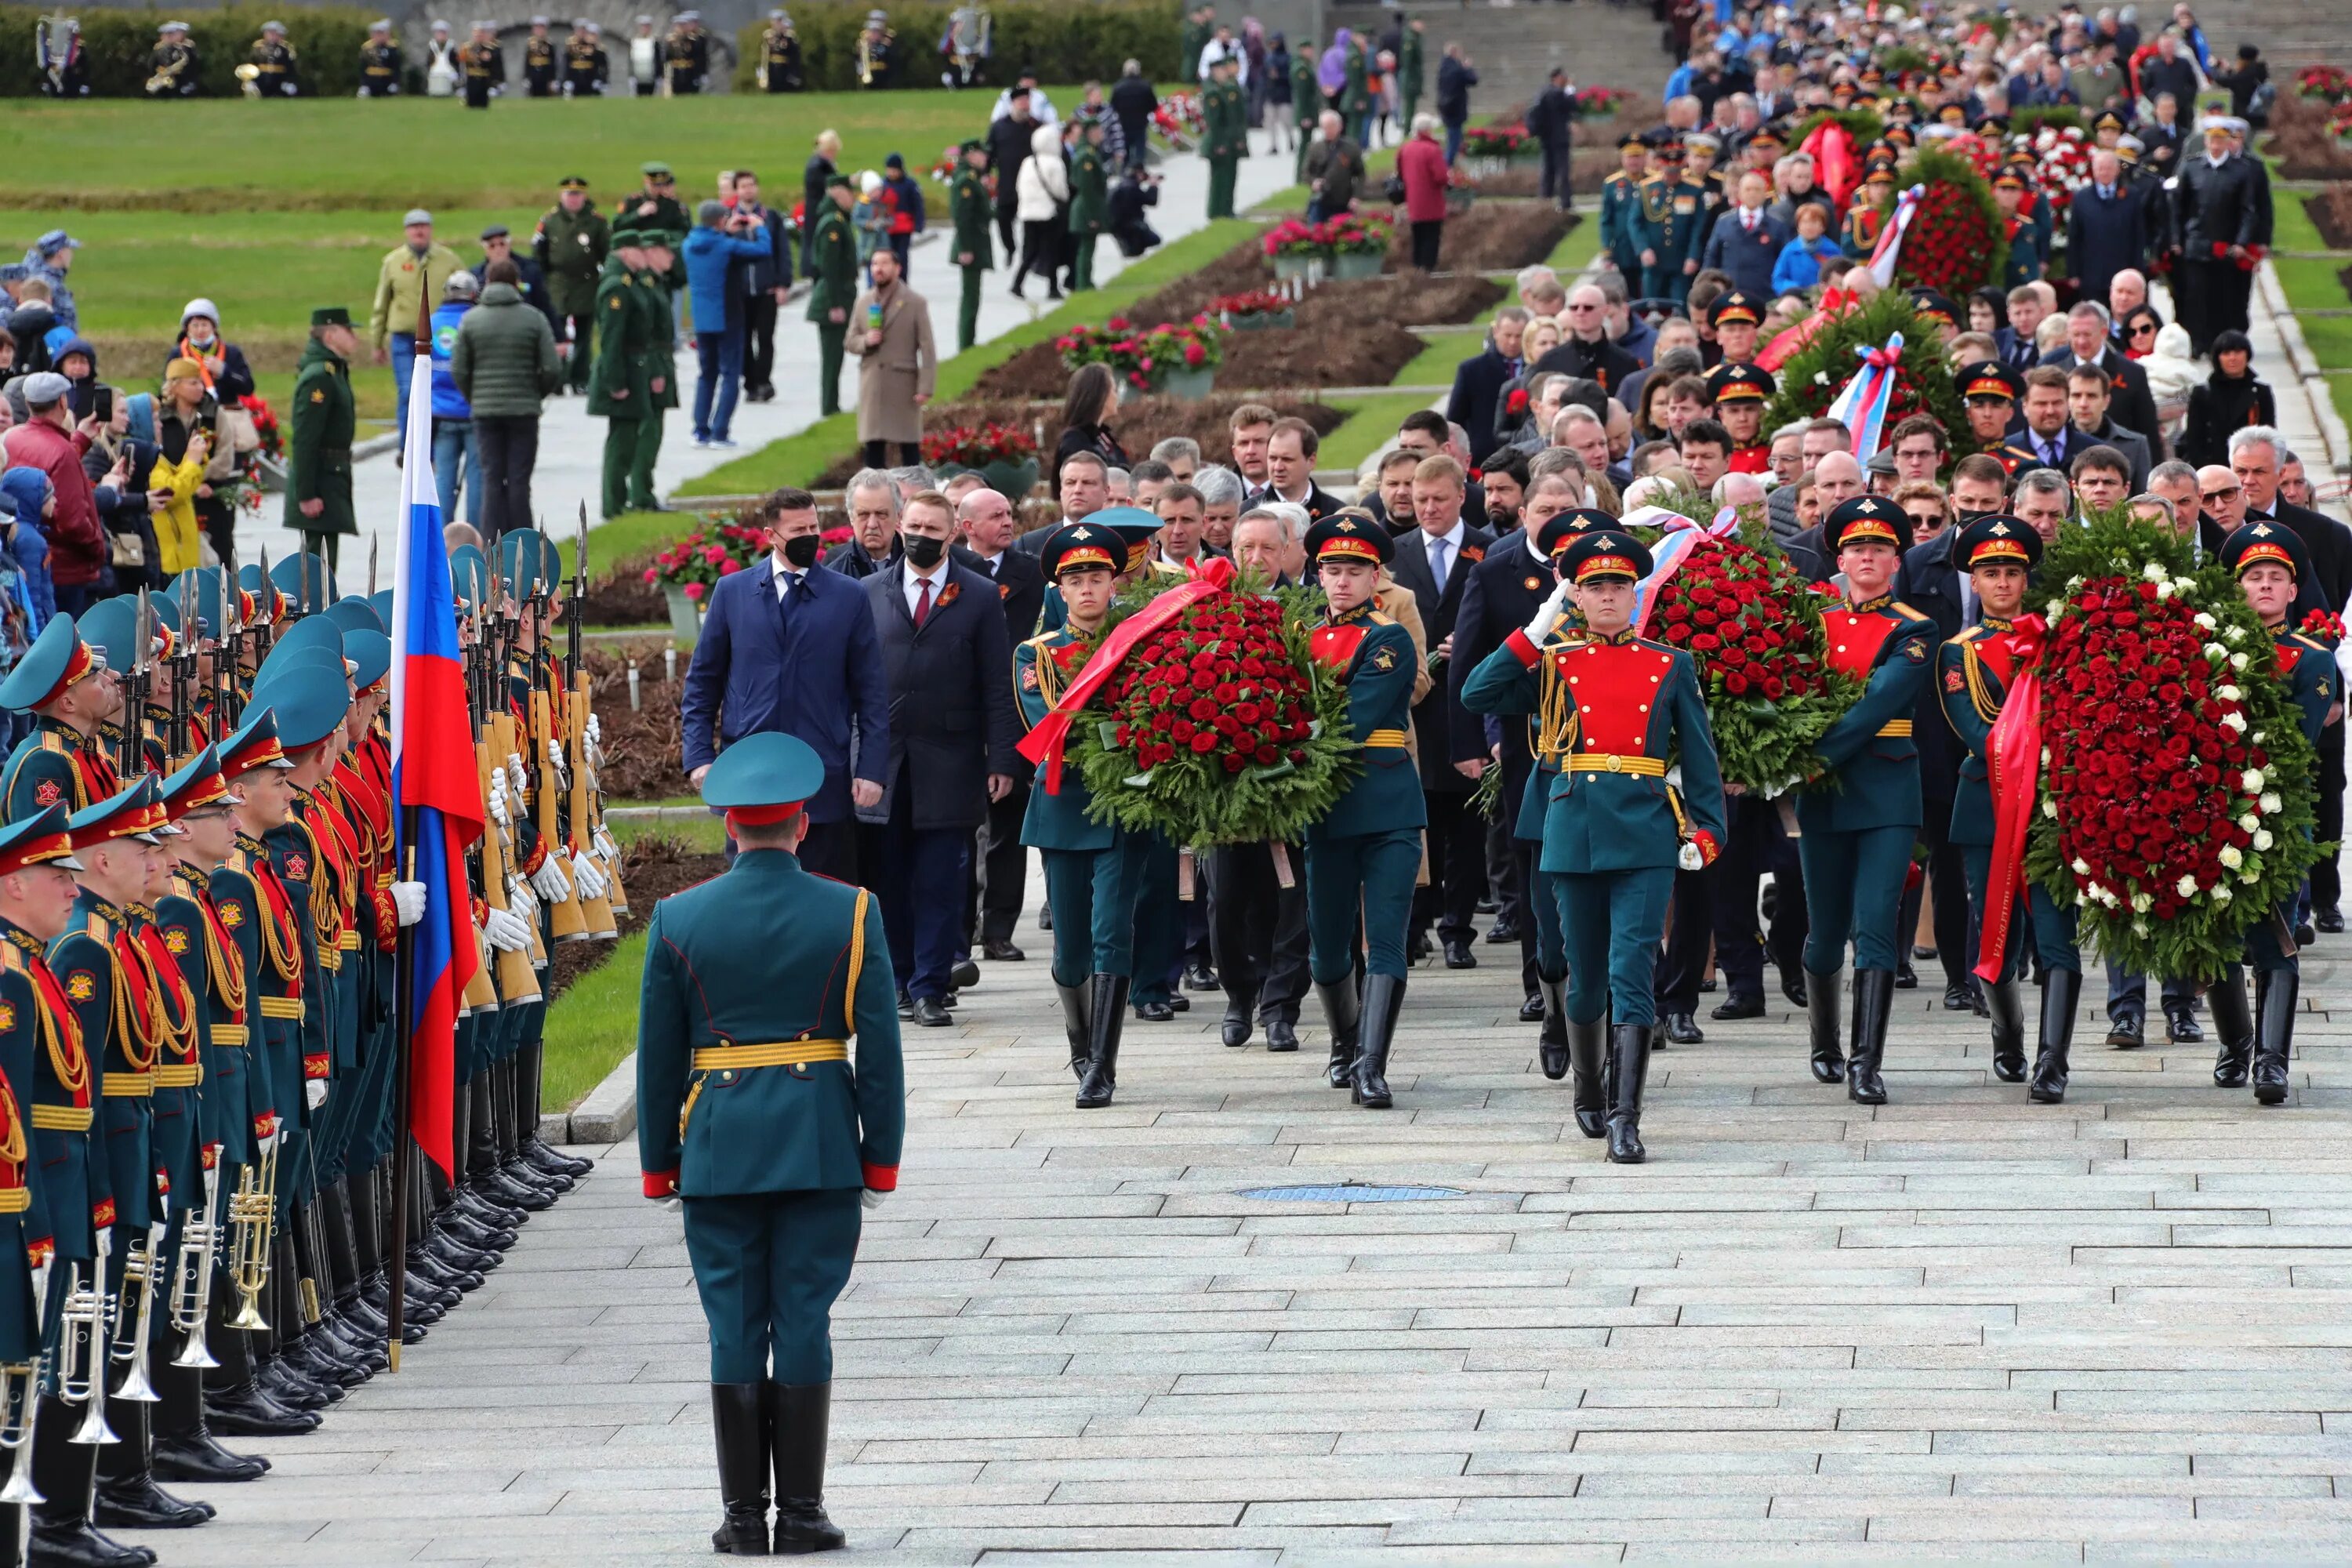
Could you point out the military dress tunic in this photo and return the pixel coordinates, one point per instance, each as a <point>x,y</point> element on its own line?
<point>1859,824</point>
<point>55,766</point>
<point>1611,711</point>
<point>1366,853</point>
<point>76,1197</point>
<point>25,1241</point>
<point>112,996</point>
<point>749,1108</point>
<point>1973,674</point>
<point>1094,870</point>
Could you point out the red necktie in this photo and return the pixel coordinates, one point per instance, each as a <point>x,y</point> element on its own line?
<point>923,604</point>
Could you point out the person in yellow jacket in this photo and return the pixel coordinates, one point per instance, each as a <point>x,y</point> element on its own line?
<point>415,269</point>
<point>177,532</point>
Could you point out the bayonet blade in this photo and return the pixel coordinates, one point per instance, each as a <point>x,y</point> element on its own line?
<point>373,540</point>
<point>143,633</point>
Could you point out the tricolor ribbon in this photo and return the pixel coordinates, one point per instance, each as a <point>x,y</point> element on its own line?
<point>2014,770</point>
<point>1862,405</point>
<point>1672,552</point>
<point>1890,238</point>
<point>1044,743</point>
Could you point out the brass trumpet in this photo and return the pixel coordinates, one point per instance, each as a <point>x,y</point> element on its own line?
<point>81,1338</point>
<point>129,1345</point>
<point>192,1278</point>
<point>20,1407</point>
<point>253,1212</point>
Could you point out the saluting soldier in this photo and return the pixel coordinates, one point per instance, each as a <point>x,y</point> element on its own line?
<point>380,62</point>
<point>172,66</point>
<point>833,287</point>
<point>1860,819</point>
<point>66,685</point>
<point>686,55</point>
<point>318,446</point>
<point>273,63</point>
<point>1224,135</point>
<point>1366,854</point>
<point>1620,204</point>
<point>969,206</point>
<point>586,68</point>
<point>482,65</point>
<point>755,982</point>
<point>1615,708</point>
<point>1090,203</point>
<point>620,390</point>
<point>779,56</point>
<point>539,70</point>
<point>1974,674</point>
<point>570,242</point>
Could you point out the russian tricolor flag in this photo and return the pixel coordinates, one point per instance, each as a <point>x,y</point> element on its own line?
<point>435,784</point>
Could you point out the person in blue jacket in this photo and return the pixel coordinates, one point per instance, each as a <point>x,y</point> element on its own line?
<point>456,454</point>
<point>1802,259</point>
<point>719,240</point>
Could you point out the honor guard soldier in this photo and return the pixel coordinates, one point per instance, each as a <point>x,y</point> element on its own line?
<point>172,64</point>
<point>755,982</point>
<point>1365,855</point>
<point>108,626</point>
<point>1739,392</point>
<point>1974,673</point>
<point>25,1245</point>
<point>540,71</point>
<point>1859,822</point>
<point>969,206</point>
<point>1864,219</point>
<point>877,51</point>
<point>1224,135</point>
<point>482,66</point>
<point>273,64</point>
<point>832,286</point>
<point>1090,866</point>
<point>1738,320</point>
<point>1990,389</point>
<point>779,56</point>
<point>586,68</point>
<point>1611,709</point>
<point>1937,311</point>
<point>2025,259</point>
<point>66,685</point>
<point>570,244</point>
<point>2270,561</point>
<point>686,55</point>
<point>380,62</point>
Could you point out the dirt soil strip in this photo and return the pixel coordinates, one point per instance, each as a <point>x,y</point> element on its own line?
<point>652,869</point>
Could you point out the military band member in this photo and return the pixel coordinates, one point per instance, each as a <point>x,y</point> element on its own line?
<point>1859,822</point>
<point>482,66</point>
<point>273,63</point>
<point>779,56</point>
<point>1615,708</point>
<point>586,68</point>
<point>539,70</point>
<point>1974,672</point>
<point>66,685</point>
<point>754,983</point>
<point>26,1248</point>
<point>171,64</point>
<point>1365,855</point>
<point>877,52</point>
<point>380,63</point>
<point>686,55</point>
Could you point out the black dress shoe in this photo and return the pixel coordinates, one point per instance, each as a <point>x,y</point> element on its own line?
<point>1179,1003</point>
<point>964,974</point>
<point>2330,919</point>
<point>950,997</point>
<point>2181,1025</point>
<point>1235,1029</point>
<point>1738,1007</point>
<point>1531,1011</point>
<point>1502,931</point>
<point>931,1015</point>
<point>249,1413</point>
<point>1958,1000</point>
<point>74,1544</point>
<point>1792,987</point>
<point>906,1006</point>
<point>1683,1030</point>
<point>1155,1012</point>
<point>1000,952</point>
<point>1906,977</point>
<point>1281,1035</point>
<point>194,1457</point>
<point>1458,954</point>
<point>2124,1032</point>
<point>1046,918</point>
<point>1708,986</point>
<point>1200,977</point>
<point>2304,935</point>
<point>138,1503</point>
<point>1417,947</point>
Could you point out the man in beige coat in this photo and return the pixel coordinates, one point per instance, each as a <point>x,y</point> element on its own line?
<point>897,365</point>
<point>416,268</point>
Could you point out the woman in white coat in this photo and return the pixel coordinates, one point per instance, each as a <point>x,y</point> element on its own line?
<point>1043,192</point>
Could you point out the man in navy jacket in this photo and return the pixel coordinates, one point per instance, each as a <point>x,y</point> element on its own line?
<point>1748,239</point>
<point>1478,381</point>
<point>789,647</point>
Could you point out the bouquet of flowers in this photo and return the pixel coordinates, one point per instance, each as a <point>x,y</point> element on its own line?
<point>977,446</point>
<point>1359,234</point>
<point>1294,236</point>
<point>1178,120</point>
<point>2178,798</point>
<point>1598,102</point>
<point>1812,377</point>
<point>711,551</point>
<point>944,169</point>
<point>1501,142</point>
<point>2330,84</point>
<point>1222,726</point>
<point>1956,244</point>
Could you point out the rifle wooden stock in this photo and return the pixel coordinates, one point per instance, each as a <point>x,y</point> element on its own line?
<point>565,920</point>
<point>518,982</point>
<point>502,745</point>
<point>615,896</point>
<point>597,912</point>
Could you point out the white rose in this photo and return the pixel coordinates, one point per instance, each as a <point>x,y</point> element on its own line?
<point>2205,622</point>
<point>2186,886</point>
<point>2233,856</point>
<point>2249,822</point>
<point>2222,895</point>
<point>2216,652</point>
<point>2262,839</point>
<point>2233,632</point>
<point>2234,721</point>
<point>2229,694</point>
<point>2050,809</point>
<point>2253,781</point>
<point>2183,584</point>
<point>2081,867</point>
<point>2250,875</point>
<point>2238,662</point>
<point>2092,890</point>
<point>2163,591</point>
<point>1820,378</point>
<point>2259,737</point>
<point>2141,903</point>
<point>2268,804</point>
<point>2153,572</point>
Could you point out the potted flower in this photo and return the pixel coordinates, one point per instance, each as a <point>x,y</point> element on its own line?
<point>1598,102</point>
<point>686,570</point>
<point>1004,455</point>
<point>1492,148</point>
<point>1253,310</point>
<point>1176,360</point>
<point>1297,249</point>
<point>1359,246</point>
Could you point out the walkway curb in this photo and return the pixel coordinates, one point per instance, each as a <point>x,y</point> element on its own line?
<point>607,1115</point>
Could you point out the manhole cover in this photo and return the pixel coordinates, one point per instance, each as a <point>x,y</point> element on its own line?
<point>1348,1193</point>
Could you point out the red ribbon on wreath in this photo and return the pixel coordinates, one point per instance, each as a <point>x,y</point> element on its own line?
<point>2013,769</point>
<point>1044,743</point>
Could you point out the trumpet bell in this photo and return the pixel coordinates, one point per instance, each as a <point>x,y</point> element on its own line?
<point>248,1312</point>
<point>195,1352</point>
<point>93,1429</point>
<point>19,1491</point>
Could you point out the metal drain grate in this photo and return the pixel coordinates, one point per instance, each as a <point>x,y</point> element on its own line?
<point>1350,1192</point>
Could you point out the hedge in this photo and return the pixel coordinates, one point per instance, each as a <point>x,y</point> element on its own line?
<point>1061,40</point>
<point>326,41</point>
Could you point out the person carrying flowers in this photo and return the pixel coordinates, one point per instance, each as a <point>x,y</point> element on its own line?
<point>1861,821</point>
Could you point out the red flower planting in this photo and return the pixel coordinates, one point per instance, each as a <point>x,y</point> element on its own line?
<point>977,446</point>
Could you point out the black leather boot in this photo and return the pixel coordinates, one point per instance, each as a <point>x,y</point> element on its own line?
<point>1629,1058</point>
<point>534,1148</point>
<point>1240,1010</point>
<point>2007,1007</point>
<point>802,1413</point>
<point>1110,1004</point>
<point>1821,1017</point>
<point>1075,1000</point>
<point>2060,993</point>
<point>1586,1051</point>
<point>62,1533</point>
<point>1874,997</point>
<point>128,1497</point>
<point>739,1421</point>
<point>2274,1036</point>
<point>184,1450</point>
<point>2233,1025</point>
<point>1344,1017</point>
<point>1551,1045</point>
<point>1383,1000</point>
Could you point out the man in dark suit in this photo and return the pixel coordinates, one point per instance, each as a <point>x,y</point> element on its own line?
<point>1478,382</point>
<point>790,647</point>
<point>1587,353</point>
<point>2043,435</point>
<point>992,900</point>
<point>2013,344</point>
<point>1436,562</point>
<point>1748,239</point>
<point>950,745</point>
<point>1290,470</point>
<point>1551,120</point>
<point>2130,402</point>
<point>2218,209</point>
<point>2108,226</point>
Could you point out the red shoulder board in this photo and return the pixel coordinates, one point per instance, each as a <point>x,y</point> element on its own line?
<point>1335,645</point>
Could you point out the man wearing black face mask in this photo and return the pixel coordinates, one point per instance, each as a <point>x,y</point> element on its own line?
<point>954,729</point>
<point>792,649</point>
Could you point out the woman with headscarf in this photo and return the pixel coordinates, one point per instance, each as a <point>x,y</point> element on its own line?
<point>2232,398</point>
<point>221,361</point>
<point>1331,71</point>
<point>2172,375</point>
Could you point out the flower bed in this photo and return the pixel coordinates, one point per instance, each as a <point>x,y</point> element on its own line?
<point>1499,143</point>
<point>1255,309</point>
<point>1144,357</point>
<point>1142,424</point>
<point>2330,212</point>
<point>2306,142</point>
<point>695,562</point>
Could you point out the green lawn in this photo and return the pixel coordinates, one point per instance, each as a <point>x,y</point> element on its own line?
<point>592,1026</point>
<point>1372,423</point>
<point>2314,285</point>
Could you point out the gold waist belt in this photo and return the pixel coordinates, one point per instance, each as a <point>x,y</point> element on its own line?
<point>782,1054</point>
<point>63,1118</point>
<point>349,942</point>
<point>127,1085</point>
<point>1897,730</point>
<point>1385,738</point>
<point>231,1034</point>
<point>179,1075</point>
<point>1613,763</point>
<point>15,1200</point>
<point>282,1007</point>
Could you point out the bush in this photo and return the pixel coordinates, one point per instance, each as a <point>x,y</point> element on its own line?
<point>1061,40</point>
<point>326,41</point>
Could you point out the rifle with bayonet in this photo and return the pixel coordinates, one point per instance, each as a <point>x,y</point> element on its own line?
<point>587,792</point>
<point>132,761</point>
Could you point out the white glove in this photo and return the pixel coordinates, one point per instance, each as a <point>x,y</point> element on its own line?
<point>556,770</point>
<point>408,898</point>
<point>1690,859</point>
<point>595,730</point>
<point>506,930</point>
<point>519,782</point>
<point>497,802</point>
<point>1548,616</point>
<point>519,893</point>
<point>550,882</point>
<point>672,1205</point>
<point>605,845</point>
<point>586,878</point>
<point>314,1092</point>
<point>869,1199</point>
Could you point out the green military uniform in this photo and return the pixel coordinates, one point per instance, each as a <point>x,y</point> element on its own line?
<point>1410,73</point>
<point>1306,102</point>
<point>570,248</point>
<point>318,446</point>
<point>1614,710</point>
<point>653,293</point>
<point>1859,824</point>
<point>620,389</point>
<point>1090,207</point>
<point>832,286</point>
<point>1974,672</point>
<point>969,207</point>
<point>1366,854</point>
<point>1192,39</point>
<point>1664,213</point>
<point>755,982</point>
<point>1356,95</point>
<point>1224,139</point>
<point>1620,200</point>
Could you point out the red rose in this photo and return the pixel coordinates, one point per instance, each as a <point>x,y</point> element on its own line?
<point>1205,741</point>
